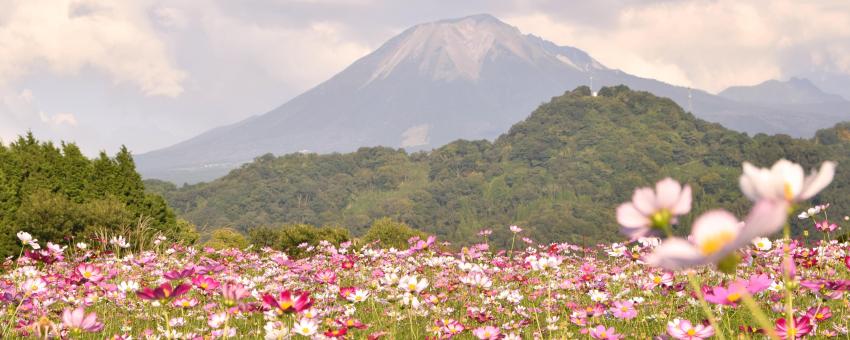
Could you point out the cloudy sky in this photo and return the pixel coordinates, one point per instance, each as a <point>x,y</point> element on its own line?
<point>150,73</point>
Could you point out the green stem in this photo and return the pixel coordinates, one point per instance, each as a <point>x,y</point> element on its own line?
<point>705,307</point>
<point>759,315</point>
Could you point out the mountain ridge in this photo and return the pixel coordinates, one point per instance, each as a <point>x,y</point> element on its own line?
<point>558,173</point>
<point>469,78</point>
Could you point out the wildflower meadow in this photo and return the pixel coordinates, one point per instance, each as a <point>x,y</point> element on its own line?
<point>732,277</point>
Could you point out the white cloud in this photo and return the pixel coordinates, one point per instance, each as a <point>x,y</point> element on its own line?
<point>62,118</point>
<point>300,56</point>
<point>67,36</point>
<point>706,44</point>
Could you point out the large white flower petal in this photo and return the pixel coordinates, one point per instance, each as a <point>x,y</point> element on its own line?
<point>667,193</point>
<point>792,175</point>
<point>629,216</point>
<point>765,218</point>
<point>644,200</point>
<point>683,206</point>
<point>675,254</point>
<point>818,180</point>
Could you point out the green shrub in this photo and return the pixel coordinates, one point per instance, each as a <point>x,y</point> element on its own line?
<point>391,233</point>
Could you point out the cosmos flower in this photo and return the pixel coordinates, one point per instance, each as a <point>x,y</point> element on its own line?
<point>78,320</point>
<point>802,327</point>
<point>486,332</point>
<point>287,304</point>
<point>412,284</point>
<point>825,226</point>
<point>684,330</point>
<point>205,283</point>
<point>305,327</point>
<point>762,243</point>
<point>89,272</point>
<point>624,310</point>
<point>233,292</point>
<point>654,210</point>
<point>515,229</point>
<point>819,314</point>
<point>784,181</point>
<point>600,332</point>
<point>716,234</point>
<point>164,292</point>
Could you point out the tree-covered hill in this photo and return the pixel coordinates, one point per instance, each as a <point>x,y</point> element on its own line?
<point>56,193</point>
<point>559,174</point>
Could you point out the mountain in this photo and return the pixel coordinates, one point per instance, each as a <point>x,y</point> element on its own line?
<point>559,173</point>
<point>467,78</point>
<point>774,92</point>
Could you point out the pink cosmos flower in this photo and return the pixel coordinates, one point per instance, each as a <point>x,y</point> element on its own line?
<point>205,283</point>
<point>179,274</point>
<point>624,310</point>
<point>684,330</point>
<point>486,332</point>
<point>653,210</point>
<point>78,320</point>
<point>286,303</point>
<point>163,292</point>
<point>327,276</point>
<point>515,229</point>
<point>233,292</point>
<point>89,272</point>
<point>825,226</point>
<point>600,332</point>
<point>716,234</point>
<point>819,314</point>
<point>802,327</point>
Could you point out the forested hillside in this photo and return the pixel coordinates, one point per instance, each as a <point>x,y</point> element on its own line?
<point>559,174</point>
<point>55,193</point>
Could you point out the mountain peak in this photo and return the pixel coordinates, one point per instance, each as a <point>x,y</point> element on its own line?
<point>792,91</point>
<point>456,48</point>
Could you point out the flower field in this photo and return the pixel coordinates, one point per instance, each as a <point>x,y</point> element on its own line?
<point>726,280</point>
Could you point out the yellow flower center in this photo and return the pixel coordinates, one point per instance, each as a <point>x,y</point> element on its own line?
<point>734,297</point>
<point>789,193</point>
<point>716,242</point>
<point>305,330</point>
<point>87,274</point>
<point>661,219</point>
<point>411,286</point>
<point>285,304</point>
<point>691,332</point>
<point>657,279</point>
<point>818,316</point>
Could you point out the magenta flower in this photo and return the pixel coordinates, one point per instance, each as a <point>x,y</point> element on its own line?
<point>819,314</point>
<point>624,310</point>
<point>600,332</point>
<point>654,210</point>
<point>802,327</point>
<point>205,283</point>
<point>78,320</point>
<point>286,303</point>
<point>727,296</point>
<point>163,292</point>
<point>233,292</point>
<point>825,226</point>
<point>486,332</point>
<point>179,274</point>
<point>89,272</point>
<point>684,330</point>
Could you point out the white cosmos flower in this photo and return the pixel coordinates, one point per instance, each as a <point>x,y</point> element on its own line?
<point>762,243</point>
<point>716,234</point>
<point>25,237</point>
<point>412,284</point>
<point>785,180</point>
<point>653,209</point>
<point>305,327</point>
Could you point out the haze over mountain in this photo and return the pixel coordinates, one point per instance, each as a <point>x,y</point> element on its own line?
<point>468,78</point>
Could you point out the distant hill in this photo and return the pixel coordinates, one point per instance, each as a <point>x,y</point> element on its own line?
<point>559,174</point>
<point>774,92</point>
<point>467,78</point>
